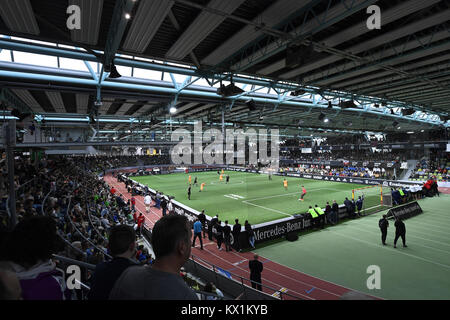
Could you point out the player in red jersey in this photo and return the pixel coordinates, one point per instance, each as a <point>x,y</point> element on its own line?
<point>303,194</point>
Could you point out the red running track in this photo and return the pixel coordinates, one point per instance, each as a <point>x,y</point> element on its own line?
<point>274,276</point>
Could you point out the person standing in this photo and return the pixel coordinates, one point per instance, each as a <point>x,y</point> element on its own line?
<point>202,219</point>
<point>236,232</point>
<point>147,202</point>
<point>321,218</point>
<point>400,232</point>
<point>133,203</point>
<point>195,181</point>
<point>227,236</point>
<point>328,213</point>
<point>218,234</point>
<point>228,179</point>
<point>189,192</point>
<point>314,216</point>
<point>256,267</point>
<point>383,224</point>
<point>140,223</point>
<point>359,205</point>
<point>198,233</point>
<point>250,234</point>
<point>170,206</point>
<point>164,206</point>
<point>335,212</point>
<point>285,184</point>
<point>303,194</point>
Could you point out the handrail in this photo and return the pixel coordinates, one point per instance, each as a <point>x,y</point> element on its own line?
<point>243,278</point>
<point>82,235</point>
<point>76,262</point>
<point>7,199</point>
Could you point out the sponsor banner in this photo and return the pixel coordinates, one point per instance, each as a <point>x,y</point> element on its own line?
<point>277,230</point>
<point>387,183</point>
<point>405,211</point>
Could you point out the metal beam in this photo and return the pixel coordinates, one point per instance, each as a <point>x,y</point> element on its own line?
<point>10,99</point>
<point>164,90</point>
<point>116,29</point>
<point>384,59</point>
<point>298,35</point>
<point>393,14</point>
<point>200,28</point>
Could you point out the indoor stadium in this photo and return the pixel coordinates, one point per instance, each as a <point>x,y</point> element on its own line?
<point>259,151</point>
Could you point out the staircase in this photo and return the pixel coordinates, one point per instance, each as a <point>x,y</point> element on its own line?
<point>406,174</point>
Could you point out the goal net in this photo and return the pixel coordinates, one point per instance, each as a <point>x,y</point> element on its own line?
<point>374,198</point>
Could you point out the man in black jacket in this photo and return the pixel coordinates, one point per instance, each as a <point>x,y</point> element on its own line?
<point>122,244</point>
<point>227,236</point>
<point>335,212</point>
<point>328,212</point>
<point>256,267</point>
<point>383,224</point>
<point>202,219</point>
<point>236,232</point>
<point>400,232</point>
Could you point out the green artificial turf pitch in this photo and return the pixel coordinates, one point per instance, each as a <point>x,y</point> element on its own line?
<point>250,196</point>
<point>343,253</point>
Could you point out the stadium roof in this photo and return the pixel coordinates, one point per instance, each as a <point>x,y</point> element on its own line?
<point>293,60</point>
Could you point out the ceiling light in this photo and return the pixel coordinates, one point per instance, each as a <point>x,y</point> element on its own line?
<point>173,110</point>
<point>251,105</point>
<point>127,16</point>
<point>114,74</point>
<point>347,104</point>
<point>229,90</point>
<point>408,111</point>
<point>298,92</point>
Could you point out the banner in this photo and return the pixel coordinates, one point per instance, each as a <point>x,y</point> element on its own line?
<point>405,211</point>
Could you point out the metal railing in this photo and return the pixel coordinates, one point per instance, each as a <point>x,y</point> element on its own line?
<point>238,285</point>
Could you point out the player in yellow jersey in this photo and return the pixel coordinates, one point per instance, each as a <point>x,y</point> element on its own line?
<point>285,183</point>
<point>223,171</point>
<point>190,179</point>
<point>201,187</point>
<point>221,177</point>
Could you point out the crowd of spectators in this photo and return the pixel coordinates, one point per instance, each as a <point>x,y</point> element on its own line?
<point>67,210</point>
<point>341,155</point>
<point>347,171</point>
<point>436,166</point>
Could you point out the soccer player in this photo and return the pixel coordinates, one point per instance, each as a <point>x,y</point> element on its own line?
<point>201,187</point>
<point>285,183</point>
<point>228,179</point>
<point>189,192</point>
<point>195,181</point>
<point>223,171</point>
<point>190,179</point>
<point>221,177</point>
<point>303,194</point>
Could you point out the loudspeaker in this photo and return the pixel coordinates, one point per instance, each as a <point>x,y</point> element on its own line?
<point>292,236</point>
